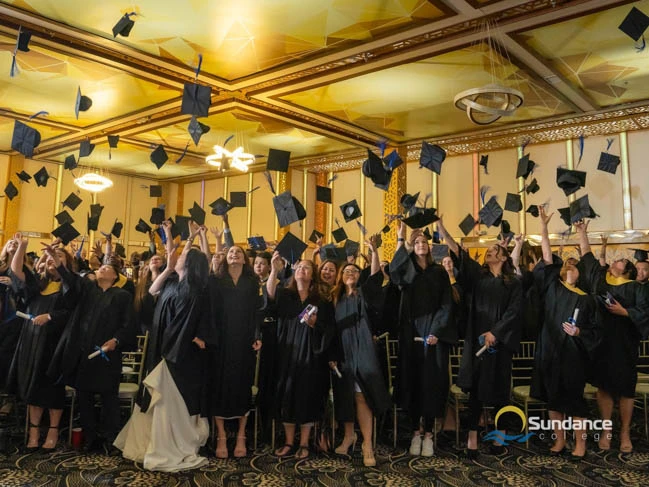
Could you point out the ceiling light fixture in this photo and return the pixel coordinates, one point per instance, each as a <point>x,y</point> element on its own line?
<point>223,159</point>
<point>93,182</point>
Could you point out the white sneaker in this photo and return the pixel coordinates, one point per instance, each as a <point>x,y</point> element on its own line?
<point>427,449</point>
<point>415,445</point>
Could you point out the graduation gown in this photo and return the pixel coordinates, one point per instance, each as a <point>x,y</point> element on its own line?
<point>617,356</point>
<point>10,328</point>
<point>356,352</point>
<point>267,360</point>
<point>302,369</point>
<point>97,317</point>
<point>426,309</point>
<point>236,318</point>
<point>562,362</point>
<point>37,343</point>
<point>494,304</point>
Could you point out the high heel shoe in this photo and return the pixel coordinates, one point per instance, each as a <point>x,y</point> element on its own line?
<point>32,449</point>
<point>222,449</point>
<point>51,448</point>
<point>368,457</point>
<point>343,448</point>
<point>240,452</point>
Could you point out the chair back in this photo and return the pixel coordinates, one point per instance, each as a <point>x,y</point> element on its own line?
<point>133,362</point>
<point>643,362</point>
<point>523,364</point>
<point>454,360</point>
<point>392,352</point>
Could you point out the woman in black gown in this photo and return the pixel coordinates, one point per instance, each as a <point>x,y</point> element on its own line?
<point>361,388</point>
<point>144,302</point>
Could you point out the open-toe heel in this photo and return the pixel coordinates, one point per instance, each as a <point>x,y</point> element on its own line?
<point>49,448</point>
<point>285,451</point>
<point>240,452</point>
<point>32,449</point>
<point>302,452</point>
<point>368,457</point>
<point>222,449</point>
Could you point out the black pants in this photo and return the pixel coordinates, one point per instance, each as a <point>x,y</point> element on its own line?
<point>476,408</point>
<point>109,421</point>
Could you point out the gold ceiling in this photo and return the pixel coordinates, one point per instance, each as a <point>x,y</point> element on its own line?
<point>318,78</point>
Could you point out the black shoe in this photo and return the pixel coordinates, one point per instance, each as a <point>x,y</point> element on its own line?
<point>576,458</point>
<point>472,454</point>
<point>497,450</point>
<point>555,453</point>
<point>113,451</point>
<point>94,446</point>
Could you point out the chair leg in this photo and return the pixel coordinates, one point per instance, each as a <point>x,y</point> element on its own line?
<point>527,428</point>
<point>256,429</point>
<point>646,427</point>
<point>457,423</point>
<point>272,434</point>
<point>71,421</point>
<point>394,427</point>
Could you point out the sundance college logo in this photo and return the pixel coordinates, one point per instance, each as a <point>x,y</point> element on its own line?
<point>544,428</point>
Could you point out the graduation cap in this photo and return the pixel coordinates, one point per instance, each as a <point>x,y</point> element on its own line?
<point>533,187</point>
<point>82,104</point>
<point>197,130</point>
<point>427,234</point>
<point>373,168</point>
<point>525,167</point>
<point>331,252</point>
<point>513,202</point>
<point>72,201</point>
<point>408,201</point>
<point>505,230</point>
<point>238,199</point>
<point>533,210</point>
<point>438,252</point>
<point>220,206</point>
<point>23,176</point>
<point>288,209</point>
<point>142,226</point>
<point>155,191</point>
<point>385,229</point>
<point>484,160</point>
<point>64,217</point>
<point>159,156</point>
<point>197,213</point>
<point>66,232</point>
<point>323,194</point>
<point>257,243</point>
<point>580,209</point>
<point>70,162</point>
<point>85,148</point>
<point>41,177</point>
<point>11,191</point>
<point>634,24</point>
<point>392,161</point>
<point>124,25</point>
<point>339,234</point>
<point>120,251</point>
<point>315,235</point>
<point>351,248</point>
<point>180,227</point>
<point>640,255</point>
<point>432,157</point>
<point>291,248</point>
<point>467,224</point>
<point>113,140</point>
<point>196,100</point>
<point>569,180</point>
<point>96,209</point>
<point>24,36</point>
<point>25,139</point>
<point>564,213</point>
<point>350,211</point>
<point>491,213</point>
<point>117,229</point>
<point>93,217</point>
<point>421,217</point>
<point>608,162</point>
<point>157,215</point>
<point>278,160</point>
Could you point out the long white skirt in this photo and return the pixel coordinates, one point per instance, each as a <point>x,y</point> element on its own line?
<point>164,438</point>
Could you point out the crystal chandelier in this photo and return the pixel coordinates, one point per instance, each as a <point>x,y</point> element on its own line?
<point>223,159</point>
<point>93,182</point>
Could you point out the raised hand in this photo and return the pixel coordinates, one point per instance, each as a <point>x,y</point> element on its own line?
<point>277,263</point>
<point>543,216</point>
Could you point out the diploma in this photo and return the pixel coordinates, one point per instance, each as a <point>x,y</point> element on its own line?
<point>419,339</point>
<point>337,372</point>
<point>482,350</point>
<point>573,320</point>
<point>97,353</point>
<point>20,314</point>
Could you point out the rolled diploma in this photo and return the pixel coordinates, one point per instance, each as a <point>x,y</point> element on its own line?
<point>481,351</point>
<point>20,314</point>
<point>340,376</point>
<point>96,353</point>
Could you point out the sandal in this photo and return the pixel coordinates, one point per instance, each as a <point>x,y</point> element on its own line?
<point>302,452</point>
<point>222,451</point>
<point>240,452</point>
<point>285,451</point>
<point>32,449</point>
<point>52,448</point>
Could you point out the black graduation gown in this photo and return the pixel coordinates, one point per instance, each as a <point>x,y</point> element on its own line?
<point>356,352</point>
<point>180,317</point>
<point>236,320</point>
<point>426,309</point>
<point>302,369</point>
<point>562,362</point>
<point>98,316</point>
<point>10,328</point>
<point>36,345</point>
<point>494,304</point>
<point>617,356</point>
<point>532,314</point>
<point>267,361</point>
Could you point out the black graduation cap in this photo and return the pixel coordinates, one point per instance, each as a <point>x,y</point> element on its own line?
<point>25,139</point>
<point>257,243</point>
<point>196,100</point>
<point>427,234</point>
<point>82,104</point>
<point>96,209</point>
<point>123,26</point>
<point>23,176</point>
<point>513,202</point>
<point>570,180</point>
<point>66,232</point>
<point>421,217</point>
<point>408,201</point>
<point>85,148</point>
<point>432,157</point>
<point>64,217</point>
<point>385,229</point>
<point>484,160</point>
<point>155,191</point>
<point>72,201</point>
<point>159,156</point>
<point>315,235</point>
<point>92,223</point>
<point>291,248</point>
<point>24,37</point>
<point>505,230</point>
<point>113,140</point>
<point>533,210</point>
<point>533,187</point>
<point>197,213</point>
<point>143,226</point>
<point>70,162</point>
<point>278,160</point>
<point>393,160</point>
<point>220,206</point>
<point>491,214</point>
<point>351,247</point>
<point>331,252</point>
<point>580,209</point>
<point>438,252</point>
<point>93,217</point>
<point>323,194</point>
<point>180,227</point>
<point>467,224</point>
<point>608,162</point>
<point>339,234</point>
<point>525,167</point>
<point>120,251</point>
<point>157,215</point>
<point>11,191</point>
<point>197,130</point>
<point>350,211</point>
<point>373,168</point>
<point>634,24</point>
<point>117,229</point>
<point>564,213</point>
<point>288,209</point>
<point>238,199</point>
<point>41,177</point>
<point>641,255</point>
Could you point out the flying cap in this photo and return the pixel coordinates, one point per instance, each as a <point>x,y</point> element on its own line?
<point>197,213</point>
<point>350,210</point>
<point>421,217</point>
<point>491,214</point>
<point>238,199</point>
<point>64,217</point>
<point>196,100</point>
<point>155,191</point>
<point>533,210</point>
<point>220,207</point>
<point>288,209</point>
<point>525,167</point>
<point>570,180</point>
<point>323,194</point>
<point>157,215</point>
<point>24,177</point>
<point>41,177</point>
<point>123,26</point>
<point>278,160</point>
<point>467,224</point>
<point>72,201</point>
<point>11,191</point>
<point>581,209</point>
<point>339,234</point>
<point>197,129</point>
<point>291,248</point>
<point>432,157</point>
<point>82,104</point>
<point>25,139</point>
<point>513,202</point>
<point>608,162</point>
<point>142,226</point>
<point>315,235</point>
<point>66,232</point>
<point>70,162</point>
<point>634,24</point>
<point>85,148</point>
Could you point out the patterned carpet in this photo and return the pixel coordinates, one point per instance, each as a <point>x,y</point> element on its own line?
<point>517,467</point>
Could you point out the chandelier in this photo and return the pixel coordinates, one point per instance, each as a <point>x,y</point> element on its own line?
<point>93,182</point>
<point>223,159</point>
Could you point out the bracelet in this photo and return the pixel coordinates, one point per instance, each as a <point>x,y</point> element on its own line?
<point>401,240</point>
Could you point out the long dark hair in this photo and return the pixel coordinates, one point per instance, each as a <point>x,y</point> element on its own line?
<point>508,271</point>
<point>339,289</point>
<point>196,273</point>
<point>314,287</point>
<point>222,269</point>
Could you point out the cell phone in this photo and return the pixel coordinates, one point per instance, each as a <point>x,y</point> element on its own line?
<point>610,300</point>
<point>309,311</point>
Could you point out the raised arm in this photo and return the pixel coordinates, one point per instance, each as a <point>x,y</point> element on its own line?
<point>108,248</point>
<point>452,244</point>
<point>516,252</point>
<point>218,235</point>
<point>19,257</point>
<point>602,252</point>
<point>401,235</point>
<point>545,236</point>
<point>372,244</point>
<point>158,284</point>
<point>582,231</point>
<point>205,245</point>
<point>276,265</point>
<point>228,240</point>
<point>193,232</point>
<point>316,251</point>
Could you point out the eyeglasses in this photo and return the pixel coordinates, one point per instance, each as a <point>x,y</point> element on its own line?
<point>351,271</point>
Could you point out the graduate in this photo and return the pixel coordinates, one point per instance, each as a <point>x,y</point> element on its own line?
<point>494,320</point>
<point>426,333</point>
<point>10,325</point>
<point>565,345</point>
<point>144,302</point>
<point>360,389</point>
<point>623,321</point>
<point>327,272</point>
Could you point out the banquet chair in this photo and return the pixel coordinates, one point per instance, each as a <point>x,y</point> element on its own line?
<point>457,398</point>
<point>392,352</point>
<point>642,386</point>
<point>132,371</point>
<point>522,369</point>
